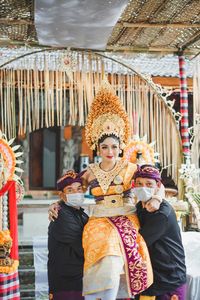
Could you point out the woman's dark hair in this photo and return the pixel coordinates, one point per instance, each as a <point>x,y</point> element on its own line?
<point>105,136</point>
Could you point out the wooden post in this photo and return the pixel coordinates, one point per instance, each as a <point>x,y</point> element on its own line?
<point>184,109</point>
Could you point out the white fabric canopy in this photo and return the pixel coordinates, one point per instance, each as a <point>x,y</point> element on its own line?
<point>77,23</point>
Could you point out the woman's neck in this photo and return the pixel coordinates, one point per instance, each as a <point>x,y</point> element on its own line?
<point>107,166</point>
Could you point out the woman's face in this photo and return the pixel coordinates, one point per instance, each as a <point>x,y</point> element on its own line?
<point>109,149</point>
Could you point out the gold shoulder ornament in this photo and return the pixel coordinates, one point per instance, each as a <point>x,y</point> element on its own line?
<point>105,178</point>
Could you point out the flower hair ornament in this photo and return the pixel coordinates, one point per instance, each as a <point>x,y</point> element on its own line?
<point>107,116</point>
<point>139,147</point>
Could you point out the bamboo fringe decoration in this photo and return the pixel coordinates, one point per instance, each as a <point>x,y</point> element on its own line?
<point>52,98</point>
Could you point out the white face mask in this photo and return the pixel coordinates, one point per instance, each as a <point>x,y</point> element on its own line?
<point>75,199</point>
<point>143,194</point>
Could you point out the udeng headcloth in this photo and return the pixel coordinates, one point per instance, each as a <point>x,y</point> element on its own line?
<point>147,171</point>
<point>67,179</point>
<point>107,116</point>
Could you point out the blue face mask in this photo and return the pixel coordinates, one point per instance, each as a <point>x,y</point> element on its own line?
<point>143,194</point>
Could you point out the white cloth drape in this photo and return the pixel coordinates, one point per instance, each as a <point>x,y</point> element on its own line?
<point>40,254</point>
<point>80,24</point>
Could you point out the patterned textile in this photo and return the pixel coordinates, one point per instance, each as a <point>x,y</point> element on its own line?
<point>184,105</point>
<point>100,239</point>
<point>136,268</point>
<point>9,286</point>
<point>147,171</point>
<point>67,179</point>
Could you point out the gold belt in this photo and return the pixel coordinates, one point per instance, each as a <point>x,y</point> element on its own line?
<point>112,201</point>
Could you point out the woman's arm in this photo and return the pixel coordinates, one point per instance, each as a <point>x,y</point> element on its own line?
<point>128,196</point>
<point>85,175</point>
<point>53,211</point>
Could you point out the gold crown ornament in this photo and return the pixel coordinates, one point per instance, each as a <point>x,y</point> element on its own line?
<point>107,116</point>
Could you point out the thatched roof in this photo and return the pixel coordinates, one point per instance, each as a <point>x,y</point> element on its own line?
<point>158,25</point>
<point>145,26</point>
<point>17,22</point>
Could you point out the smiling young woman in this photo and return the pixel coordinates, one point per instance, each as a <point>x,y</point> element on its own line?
<point>111,242</point>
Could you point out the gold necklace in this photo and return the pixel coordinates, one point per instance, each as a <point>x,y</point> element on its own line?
<point>105,178</point>
<point>100,166</point>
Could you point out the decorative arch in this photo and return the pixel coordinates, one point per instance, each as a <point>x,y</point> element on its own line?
<point>57,88</point>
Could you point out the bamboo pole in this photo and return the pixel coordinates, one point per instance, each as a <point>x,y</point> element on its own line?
<point>7,21</point>
<point>150,49</point>
<point>159,25</point>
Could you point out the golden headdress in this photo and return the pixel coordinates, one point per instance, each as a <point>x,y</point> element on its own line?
<point>107,116</point>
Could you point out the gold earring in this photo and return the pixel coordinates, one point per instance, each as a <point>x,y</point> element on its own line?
<point>98,153</point>
<point>120,151</point>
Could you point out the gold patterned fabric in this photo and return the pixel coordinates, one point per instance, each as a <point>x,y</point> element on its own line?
<point>101,240</point>
<point>120,176</point>
<point>105,178</point>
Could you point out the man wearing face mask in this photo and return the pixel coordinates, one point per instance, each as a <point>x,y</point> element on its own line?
<point>161,233</point>
<point>65,258</point>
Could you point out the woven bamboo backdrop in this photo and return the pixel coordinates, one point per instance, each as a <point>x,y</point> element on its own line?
<point>42,97</point>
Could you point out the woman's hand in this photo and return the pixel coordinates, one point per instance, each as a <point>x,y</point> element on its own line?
<point>153,204</point>
<point>53,211</point>
<point>161,191</point>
